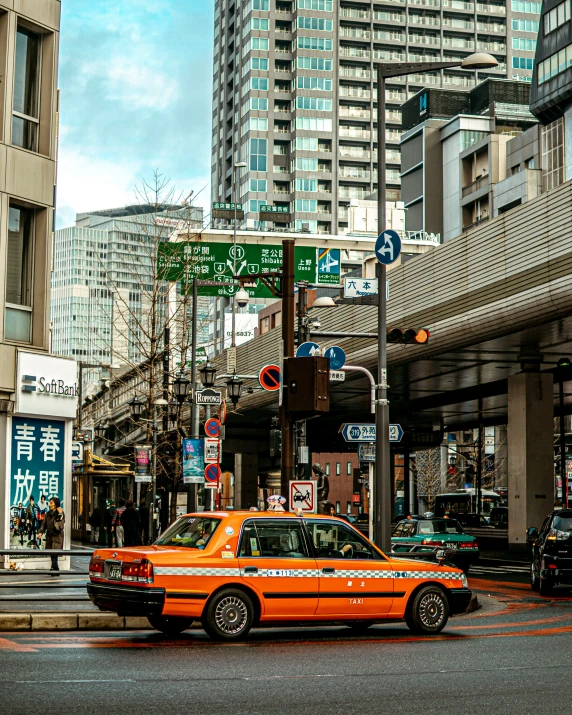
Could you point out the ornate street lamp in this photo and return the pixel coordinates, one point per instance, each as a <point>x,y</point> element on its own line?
<point>100,431</point>
<point>173,409</point>
<point>181,388</point>
<point>208,375</point>
<point>136,408</point>
<point>234,389</point>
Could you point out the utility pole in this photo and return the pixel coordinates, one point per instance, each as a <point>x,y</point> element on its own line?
<point>288,305</point>
<point>191,488</point>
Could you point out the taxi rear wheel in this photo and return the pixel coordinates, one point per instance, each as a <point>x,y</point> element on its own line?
<point>170,625</point>
<point>229,615</point>
<point>428,612</point>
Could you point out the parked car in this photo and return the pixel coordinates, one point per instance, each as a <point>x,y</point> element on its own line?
<point>433,531</point>
<point>551,552</point>
<point>499,517</point>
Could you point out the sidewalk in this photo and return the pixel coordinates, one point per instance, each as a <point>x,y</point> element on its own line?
<point>508,558</point>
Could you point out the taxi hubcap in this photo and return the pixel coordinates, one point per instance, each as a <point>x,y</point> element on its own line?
<point>231,614</point>
<point>431,610</point>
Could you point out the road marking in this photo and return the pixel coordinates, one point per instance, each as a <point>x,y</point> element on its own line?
<point>122,680</point>
<point>6,644</point>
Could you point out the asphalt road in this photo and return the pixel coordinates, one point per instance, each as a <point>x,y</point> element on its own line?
<point>511,657</point>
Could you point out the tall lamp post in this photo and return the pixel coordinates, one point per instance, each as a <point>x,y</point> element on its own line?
<point>238,165</point>
<point>382,490</point>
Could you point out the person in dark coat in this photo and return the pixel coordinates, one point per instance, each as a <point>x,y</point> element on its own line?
<point>109,514</point>
<point>144,519</point>
<point>131,525</point>
<point>53,527</point>
<point>94,522</point>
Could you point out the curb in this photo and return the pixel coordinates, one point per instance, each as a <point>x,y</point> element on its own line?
<point>474,604</point>
<point>71,622</point>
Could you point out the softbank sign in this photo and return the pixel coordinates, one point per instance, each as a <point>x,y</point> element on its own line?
<point>46,385</point>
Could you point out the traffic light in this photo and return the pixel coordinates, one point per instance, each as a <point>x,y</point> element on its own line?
<point>408,336</point>
<point>275,439</point>
<point>306,386</point>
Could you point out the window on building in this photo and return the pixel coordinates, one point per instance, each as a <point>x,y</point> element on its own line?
<point>522,63</point>
<point>306,143</point>
<point>259,124</point>
<point>259,104</point>
<point>306,205</point>
<point>255,204</point>
<point>260,83</point>
<point>526,26</point>
<point>316,124</point>
<point>338,470</point>
<point>314,83</point>
<point>315,23</point>
<point>349,469</point>
<point>305,164</point>
<point>468,138</point>
<point>258,151</point>
<point>260,43</point>
<point>327,469</point>
<point>525,6</point>
<point>318,104</point>
<point>26,109</point>
<point>257,185</point>
<point>557,17</point>
<point>325,5</point>
<point>338,507</point>
<point>19,274</point>
<point>521,43</point>
<point>309,225</point>
<point>553,155</point>
<point>259,63</point>
<point>260,23</point>
<point>348,507</point>
<point>314,43</point>
<point>260,4</point>
<point>314,63</point>
<point>306,185</point>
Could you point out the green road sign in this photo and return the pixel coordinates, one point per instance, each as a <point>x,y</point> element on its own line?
<point>267,208</point>
<point>215,261</point>
<point>226,206</point>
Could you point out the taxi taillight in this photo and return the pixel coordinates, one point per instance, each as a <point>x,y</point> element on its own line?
<point>95,568</point>
<point>145,571</point>
<point>431,542</point>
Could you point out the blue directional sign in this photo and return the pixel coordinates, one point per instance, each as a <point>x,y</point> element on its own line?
<point>367,432</point>
<point>336,356</point>
<point>387,247</point>
<point>307,349</point>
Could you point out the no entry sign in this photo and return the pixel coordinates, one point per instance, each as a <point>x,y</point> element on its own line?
<point>269,378</point>
<point>212,476</point>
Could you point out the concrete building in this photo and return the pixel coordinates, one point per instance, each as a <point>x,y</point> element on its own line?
<point>294,91</point>
<point>454,154</point>
<point>102,282</point>
<point>37,390</point>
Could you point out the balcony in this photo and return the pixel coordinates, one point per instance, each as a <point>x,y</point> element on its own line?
<point>354,152</point>
<point>459,42</point>
<point>424,20</point>
<point>389,55</point>
<point>392,17</point>
<point>491,46</point>
<point>476,185</point>
<point>388,36</point>
<point>491,9</point>
<point>355,133</point>
<point>458,24</point>
<point>424,79</point>
<point>493,27</point>
<point>424,40</point>
<point>479,220</point>
<point>355,72</point>
<point>355,92</point>
<point>427,3</point>
<point>355,32</point>
<point>458,5</point>
<point>355,13</point>
<point>355,52</point>
<point>349,172</point>
<point>414,57</point>
<point>355,112</point>
<point>458,81</point>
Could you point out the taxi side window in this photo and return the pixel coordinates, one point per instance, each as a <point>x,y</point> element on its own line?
<point>278,539</point>
<point>336,541</point>
<point>408,529</point>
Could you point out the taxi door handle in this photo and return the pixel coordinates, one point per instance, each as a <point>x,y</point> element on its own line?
<point>328,569</point>
<point>251,569</point>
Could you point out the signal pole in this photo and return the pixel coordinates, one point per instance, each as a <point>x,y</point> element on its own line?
<point>288,319</point>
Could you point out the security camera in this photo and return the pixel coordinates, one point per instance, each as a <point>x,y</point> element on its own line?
<point>242,298</point>
<point>316,324</point>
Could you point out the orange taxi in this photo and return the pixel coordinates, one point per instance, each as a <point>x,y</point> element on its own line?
<point>236,570</point>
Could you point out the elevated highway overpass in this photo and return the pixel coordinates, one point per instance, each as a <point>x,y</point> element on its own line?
<point>498,303</point>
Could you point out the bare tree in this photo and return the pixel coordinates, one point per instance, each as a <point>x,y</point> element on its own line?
<point>427,475</point>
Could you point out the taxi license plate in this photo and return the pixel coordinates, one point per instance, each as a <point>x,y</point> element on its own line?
<point>112,570</point>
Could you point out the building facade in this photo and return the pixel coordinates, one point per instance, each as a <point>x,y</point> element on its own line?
<point>38,392</point>
<point>294,92</point>
<point>103,283</point>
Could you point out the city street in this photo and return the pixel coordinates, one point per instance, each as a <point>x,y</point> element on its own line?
<point>507,657</point>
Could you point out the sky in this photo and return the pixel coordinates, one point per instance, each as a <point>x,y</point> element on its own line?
<point>136,93</point>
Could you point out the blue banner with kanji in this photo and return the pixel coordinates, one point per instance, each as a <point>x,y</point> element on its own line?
<point>36,475</point>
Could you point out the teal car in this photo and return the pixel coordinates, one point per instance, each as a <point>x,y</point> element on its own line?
<point>462,548</point>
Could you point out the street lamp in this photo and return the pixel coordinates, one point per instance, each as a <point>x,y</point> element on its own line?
<point>181,389</point>
<point>136,408</point>
<point>100,431</point>
<point>234,388</point>
<point>173,410</point>
<point>238,165</point>
<point>382,490</point>
<point>208,375</point>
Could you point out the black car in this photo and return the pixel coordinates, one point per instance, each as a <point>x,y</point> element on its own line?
<point>552,552</point>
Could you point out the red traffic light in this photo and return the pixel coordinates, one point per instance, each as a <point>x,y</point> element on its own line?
<point>408,336</point>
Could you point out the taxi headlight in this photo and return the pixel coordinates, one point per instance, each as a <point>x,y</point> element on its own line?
<point>464,581</point>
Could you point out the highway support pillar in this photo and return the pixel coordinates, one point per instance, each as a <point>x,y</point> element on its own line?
<point>530,453</point>
<point>245,481</point>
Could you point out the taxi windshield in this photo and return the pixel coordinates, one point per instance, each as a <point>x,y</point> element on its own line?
<point>440,526</point>
<point>193,532</point>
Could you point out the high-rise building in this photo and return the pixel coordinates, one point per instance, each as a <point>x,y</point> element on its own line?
<point>294,90</point>
<point>102,283</point>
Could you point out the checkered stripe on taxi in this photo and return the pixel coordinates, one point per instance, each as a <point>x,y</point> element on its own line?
<point>195,571</point>
<point>448,575</point>
<point>282,573</point>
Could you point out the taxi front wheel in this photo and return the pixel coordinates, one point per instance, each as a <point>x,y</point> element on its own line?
<point>170,625</point>
<point>228,615</point>
<point>428,612</point>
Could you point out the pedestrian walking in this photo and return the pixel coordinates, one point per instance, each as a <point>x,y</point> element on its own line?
<point>117,528</point>
<point>53,527</point>
<point>144,521</point>
<point>94,522</point>
<point>109,514</point>
<point>131,525</point>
